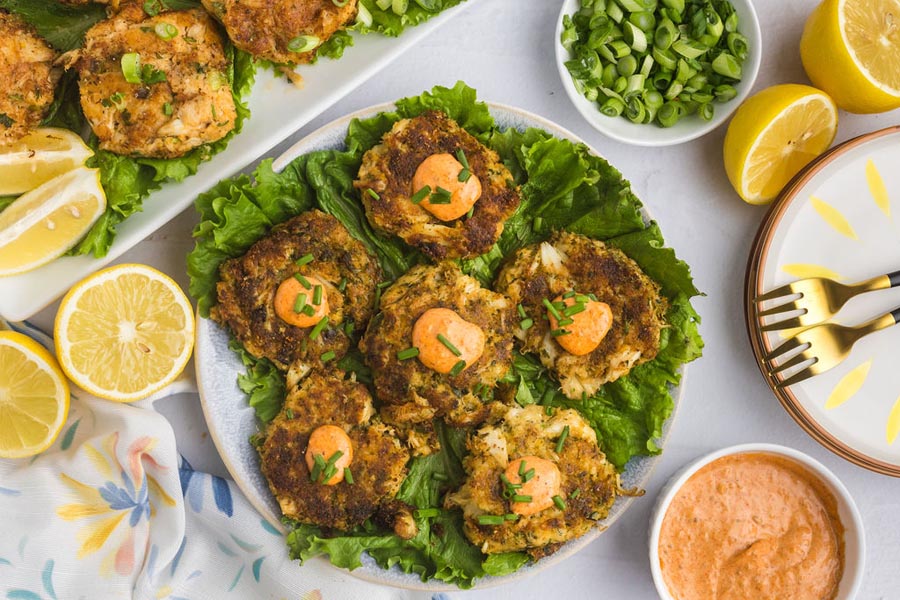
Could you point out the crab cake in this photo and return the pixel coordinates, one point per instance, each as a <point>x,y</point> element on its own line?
<point>437,348</point>
<point>264,299</point>
<point>155,86</point>
<point>595,314</point>
<point>432,153</point>
<point>282,31</point>
<point>324,414</point>
<point>525,489</point>
<point>28,76</point>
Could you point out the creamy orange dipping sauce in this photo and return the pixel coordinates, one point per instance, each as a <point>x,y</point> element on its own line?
<point>752,526</point>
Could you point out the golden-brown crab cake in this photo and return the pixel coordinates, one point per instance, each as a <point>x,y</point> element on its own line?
<point>438,346</point>
<point>282,31</point>
<point>155,86</point>
<point>533,481</point>
<point>431,152</point>
<point>592,313</point>
<point>264,299</point>
<point>28,76</point>
<point>324,415</point>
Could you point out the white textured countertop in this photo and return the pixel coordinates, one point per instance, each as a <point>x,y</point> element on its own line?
<point>504,49</point>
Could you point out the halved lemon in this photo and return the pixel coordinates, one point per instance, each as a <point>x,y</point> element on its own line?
<point>773,135</point>
<point>43,154</point>
<point>34,396</point>
<point>851,50</point>
<point>45,223</point>
<point>125,332</point>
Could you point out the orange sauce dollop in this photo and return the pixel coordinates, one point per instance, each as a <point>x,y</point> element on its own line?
<point>442,171</point>
<point>752,525</point>
<point>543,484</point>
<point>325,441</point>
<point>466,338</point>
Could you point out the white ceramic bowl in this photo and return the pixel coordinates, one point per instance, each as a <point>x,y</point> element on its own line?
<point>854,535</point>
<point>688,128</point>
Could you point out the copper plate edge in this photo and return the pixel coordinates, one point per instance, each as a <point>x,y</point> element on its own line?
<point>752,287</point>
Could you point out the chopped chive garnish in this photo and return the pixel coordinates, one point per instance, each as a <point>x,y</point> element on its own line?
<point>330,470</point>
<point>559,332</point>
<point>565,322</point>
<point>569,294</point>
<point>538,221</point>
<point>574,309</point>
<point>342,285</point>
<point>521,310</point>
<point>348,328</point>
<point>373,194</point>
<point>464,175</point>
<point>562,439</point>
<point>326,356</point>
<point>308,310</point>
<point>511,517</point>
<point>461,156</point>
<point>441,196</point>
<point>427,513</point>
<point>443,339</point>
<point>470,212</point>
<point>318,466</point>
<point>528,475</point>
<point>526,324</point>
<point>592,297</point>
<point>521,498</point>
<point>299,303</point>
<point>320,326</point>
<point>167,109</point>
<point>581,299</point>
<point>420,195</point>
<point>559,502</point>
<point>575,493</point>
<point>522,469</point>
<point>289,413</point>
<point>303,281</point>
<point>552,309</point>
<point>439,477</point>
<point>348,475</point>
<point>491,519</point>
<point>303,260</point>
<point>317,295</point>
<point>411,352</point>
<point>457,368</point>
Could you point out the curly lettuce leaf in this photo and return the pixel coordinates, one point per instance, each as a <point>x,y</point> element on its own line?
<point>63,25</point>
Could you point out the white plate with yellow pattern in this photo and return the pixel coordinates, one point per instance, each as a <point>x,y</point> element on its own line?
<point>840,219</point>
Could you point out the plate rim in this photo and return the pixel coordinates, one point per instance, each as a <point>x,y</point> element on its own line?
<point>414,582</point>
<point>752,287</point>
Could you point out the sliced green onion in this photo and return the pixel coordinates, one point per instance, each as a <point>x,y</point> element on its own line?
<point>304,260</point>
<point>317,295</point>
<point>627,66</point>
<point>668,114</point>
<point>303,281</point>
<point>559,332</point>
<point>327,356</point>
<point>303,43</point>
<point>320,326</point>
<point>165,31</point>
<point>706,111</point>
<point>643,19</point>
<point>408,353</point>
<point>521,469</point>
<point>521,498</point>
<point>724,93</point>
<point>373,194</point>
<point>562,439</point>
<point>457,368</point>
<point>689,48</point>
<point>464,175</point>
<point>440,196</point>
<point>574,309</point>
<point>299,303</point>
<point>363,16</point>
<point>552,309</point>
<point>559,502</point>
<point>420,195</point>
<point>727,65</point>
<point>399,7</point>
<point>634,37</point>
<point>615,12</point>
<point>383,4</point>
<point>443,339</point>
<point>528,475</point>
<point>348,475</point>
<point>131,67</point>
<point>612,107</point>
<point>308,310</point>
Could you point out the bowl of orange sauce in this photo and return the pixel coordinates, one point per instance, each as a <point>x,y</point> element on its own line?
<point>757,521</point>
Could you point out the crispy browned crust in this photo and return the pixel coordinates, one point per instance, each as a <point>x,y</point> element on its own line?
<point>379,460</point>
<point>247,286</point>
<point>193,106</point>
<point>388,170</point>
<point>410,391</point>
<point>264,28</point>
<point>28,77</point>
<point>524,432</point>
<point>589,266</point>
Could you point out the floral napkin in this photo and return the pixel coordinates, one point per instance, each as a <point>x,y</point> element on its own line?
<point>111,511</point>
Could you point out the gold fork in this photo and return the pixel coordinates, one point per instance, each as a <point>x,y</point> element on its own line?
<point>821,348</point>
<point>818,298</point>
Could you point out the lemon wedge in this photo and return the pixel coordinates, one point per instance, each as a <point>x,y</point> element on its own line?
<point>49,220</point>
<point>773,135</point>
<point>124,333</point>
<point>43,154</point>
<point>34,396</point>
<point>851,50</point>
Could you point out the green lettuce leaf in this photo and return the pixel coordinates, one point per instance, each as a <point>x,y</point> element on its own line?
<point>387,22</point>
<point>63,25</point>
<point>563,187</point>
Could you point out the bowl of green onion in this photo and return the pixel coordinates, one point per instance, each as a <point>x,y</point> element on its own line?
<point>657,72</point>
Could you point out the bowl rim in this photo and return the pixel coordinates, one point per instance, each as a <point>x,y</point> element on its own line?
<point>671,488</point>
<point>750,28</point>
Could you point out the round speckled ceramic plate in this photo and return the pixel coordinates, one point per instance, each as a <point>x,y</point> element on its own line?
<point>838,220</point>
<point>231,421</point>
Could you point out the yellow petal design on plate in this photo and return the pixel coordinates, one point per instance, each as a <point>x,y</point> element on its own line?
<point>833,217</point>
<point>893,423</point>
<point>849,385</point>
<point>803,270</point>
<point>877,188</point>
